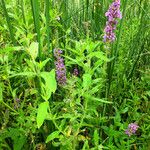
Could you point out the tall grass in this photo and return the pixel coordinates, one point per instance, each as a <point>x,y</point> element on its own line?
<point>87,18</point>
<point>35,4</point>
<point>12,37</point>
<point>47,8</point>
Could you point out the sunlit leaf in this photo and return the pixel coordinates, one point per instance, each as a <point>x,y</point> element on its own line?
<point>33,50</point>
<point>29,74</point>
<point>52,136</point>
<point>43,63</point>
<point>86,80</point>
<point>42,113</point>
<point>96,137</point>
<point>97,99</point>
<point>49,85</point>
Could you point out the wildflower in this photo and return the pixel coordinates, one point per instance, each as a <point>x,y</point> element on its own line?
<point>132,128</point>
<point>75,72</point>
<point>112,14</point>
<point>60,67</point>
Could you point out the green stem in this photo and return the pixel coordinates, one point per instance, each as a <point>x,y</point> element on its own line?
<point>117,46</point>
<point>47,8</point>
<point>9,107</point>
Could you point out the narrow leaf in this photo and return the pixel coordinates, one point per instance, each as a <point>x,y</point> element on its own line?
<point>1,92</point>
<point>86,80</point>
<point>8,22</point>
<point>97,99</point>
<point>96,138</point>
<point>52,136</point>
<point>28,74</point>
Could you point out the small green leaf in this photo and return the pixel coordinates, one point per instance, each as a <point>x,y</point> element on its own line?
<point>33,50</point>
<point>52,136</point>
<point>86,80</point>
<point>19,142</point>
<point>96,138</point>
<point>97,99</point>
<point>123,111</point>
<point>86,145</point>
<point>42,113</point>
<point>49,85</point>
<point>43,63</point>
<point>52,79</point>
<point>29,74</point>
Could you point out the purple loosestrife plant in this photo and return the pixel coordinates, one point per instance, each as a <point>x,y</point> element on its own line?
<point>112,14</point>
<point>132,128</point>
<point>60,67</point>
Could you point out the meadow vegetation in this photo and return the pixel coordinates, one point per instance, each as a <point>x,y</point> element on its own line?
<point>64,84</point>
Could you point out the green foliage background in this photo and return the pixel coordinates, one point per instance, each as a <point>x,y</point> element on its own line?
<point>94,109</point>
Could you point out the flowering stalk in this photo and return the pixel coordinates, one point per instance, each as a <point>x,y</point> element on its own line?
<point>60,67</point>
<point>112,14</point>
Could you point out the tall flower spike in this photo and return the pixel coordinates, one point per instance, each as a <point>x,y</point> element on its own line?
<point>60,67</point>
<point>112,15</point>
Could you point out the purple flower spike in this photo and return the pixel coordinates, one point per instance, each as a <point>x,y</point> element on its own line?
<point>75,72</point>
<point>132,128</point>
<point>60,67</point>
<point>112,14</point>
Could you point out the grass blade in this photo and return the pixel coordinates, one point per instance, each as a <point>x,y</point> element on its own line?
<point>47,8</point>
<point>8,22</point>
<point>36,16</point>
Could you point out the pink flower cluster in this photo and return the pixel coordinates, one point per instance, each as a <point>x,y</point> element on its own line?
<point>112,14</point>
<point>60,67</point>
<point>132,128</point>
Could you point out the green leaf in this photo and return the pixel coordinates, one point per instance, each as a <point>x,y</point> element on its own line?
<point>86,145</point>
<point>96,138</point>
<point>97,99</point>
<point>19,142</point>
<point>42,113</point>
<point>43,63</point>
<point>29,74</point>
<point>99,55</point>
<point>75,61</point>
<point>49,85</point>
<point>86,80</point>
<point>33,50</point>
<point>52,136</point>
<point>124,110</point>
